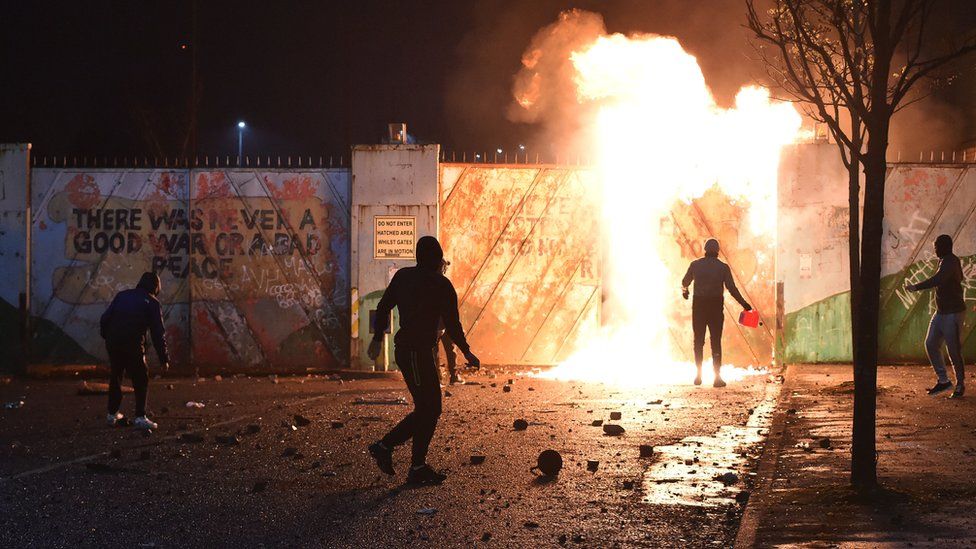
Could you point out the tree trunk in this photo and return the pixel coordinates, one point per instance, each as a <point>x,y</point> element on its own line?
<point>863,454</point>
<point>854,227</point>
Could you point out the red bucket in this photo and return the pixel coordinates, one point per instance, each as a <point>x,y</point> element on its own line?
<point>749,319</point>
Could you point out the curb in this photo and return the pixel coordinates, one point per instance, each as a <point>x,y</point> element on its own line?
<point>768,461</point>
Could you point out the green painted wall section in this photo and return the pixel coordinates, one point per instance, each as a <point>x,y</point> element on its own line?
<point>820,332</point>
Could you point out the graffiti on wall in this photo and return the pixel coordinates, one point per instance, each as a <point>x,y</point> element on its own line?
<point>253,263</point>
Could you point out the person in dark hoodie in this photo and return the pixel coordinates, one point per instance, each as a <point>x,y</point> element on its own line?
<point>711,277</point>
<point>946,324</point>
<point>424,297</point>
<point>123,327</point>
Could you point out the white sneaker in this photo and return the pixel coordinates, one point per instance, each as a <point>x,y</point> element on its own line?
<point>114,419</point>
<point>142,422</point>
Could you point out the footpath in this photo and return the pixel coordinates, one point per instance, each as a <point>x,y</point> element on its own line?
<point>926,465</point>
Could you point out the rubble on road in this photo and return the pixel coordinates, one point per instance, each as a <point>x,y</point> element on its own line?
<point>97,388</point>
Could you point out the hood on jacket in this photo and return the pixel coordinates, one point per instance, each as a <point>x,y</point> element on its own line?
<point>429,253</point>
<point>150,283</point>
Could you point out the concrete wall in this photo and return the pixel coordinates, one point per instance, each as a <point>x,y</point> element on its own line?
<point>253,262</point>
<point>14,235</point>
<point>395,183</point>
<point>921,202</point>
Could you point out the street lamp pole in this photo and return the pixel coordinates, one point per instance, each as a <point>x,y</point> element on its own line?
<point>240,141</point>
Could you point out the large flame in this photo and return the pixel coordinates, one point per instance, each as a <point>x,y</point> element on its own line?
<point>661,138</point>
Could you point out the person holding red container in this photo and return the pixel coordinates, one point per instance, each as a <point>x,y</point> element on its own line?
<point>711,278</point>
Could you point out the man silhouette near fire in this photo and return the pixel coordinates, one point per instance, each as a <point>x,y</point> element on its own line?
<point>424,298</point>
<point>711,277</point>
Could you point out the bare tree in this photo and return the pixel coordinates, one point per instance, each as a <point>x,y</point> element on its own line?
<point>851,64</point>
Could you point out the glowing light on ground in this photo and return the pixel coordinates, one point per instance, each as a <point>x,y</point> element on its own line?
<point>661,138</point>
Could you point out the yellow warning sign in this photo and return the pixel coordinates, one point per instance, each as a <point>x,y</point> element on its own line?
<point>394,236</point>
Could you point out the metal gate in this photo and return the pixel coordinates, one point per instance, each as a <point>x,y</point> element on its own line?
<point>522,241</point>
<point>749,256</point>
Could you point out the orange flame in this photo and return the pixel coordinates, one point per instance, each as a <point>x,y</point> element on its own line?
<point>661,138</point>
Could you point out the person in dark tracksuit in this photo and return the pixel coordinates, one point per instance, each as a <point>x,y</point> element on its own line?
<point>424,297</point>
<point>711,277</point>
<point>123,326</point>
<point>946,324</point>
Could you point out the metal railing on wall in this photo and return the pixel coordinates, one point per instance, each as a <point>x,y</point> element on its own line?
<point>205,161</point>
<point>494,157</point>
<point>965,156</point>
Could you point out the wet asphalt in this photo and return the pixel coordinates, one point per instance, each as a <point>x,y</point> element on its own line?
<point>67,479</point>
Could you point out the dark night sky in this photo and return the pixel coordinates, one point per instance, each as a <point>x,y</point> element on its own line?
<point>107,78</point>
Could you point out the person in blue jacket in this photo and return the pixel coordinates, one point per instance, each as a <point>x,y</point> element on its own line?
<point>123,327</point>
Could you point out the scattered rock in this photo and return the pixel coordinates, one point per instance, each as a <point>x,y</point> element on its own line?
<point>611,429</point>
<point>337,424</point>
<point>615,416</point>
<point>824,443</point>
<point>218,378</point>
<point>486,536</point>
<point>531,524</point>
<point>646,450</point>
<point>229,440</point>
<point>653,402</point>
<point>170,386</point>
<point>549,463</point>
<point>398,401</point>
<point>96,388</point>
<point>191,437</point>
<point>592,465</point>
<point>507,388</point>
<point>597,422</point>
<point>252,429</point>
<point>14,405</point>
<point>302,421</point>
<point>727,478</point>
<point>290,451</point>
<point>427,511</point>
<point>192,404</point>
<point>477,459</point>
<point>562,539</point>
<point>520,425</point>
<point>742,496</point>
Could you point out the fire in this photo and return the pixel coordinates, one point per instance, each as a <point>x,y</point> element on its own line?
<point>661,139</point>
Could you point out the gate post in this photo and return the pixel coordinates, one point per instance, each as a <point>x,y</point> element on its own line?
<point>15,226</point>
<point>394,203</point>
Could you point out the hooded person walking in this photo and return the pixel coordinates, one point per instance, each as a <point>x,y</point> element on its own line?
<point>946,324</point>
<point>424,297</point>
<point>711,278</point>
<point>123,327</point>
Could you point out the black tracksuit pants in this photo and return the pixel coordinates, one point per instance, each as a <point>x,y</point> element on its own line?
<point>419,370</point>
<point>131,362</point>
<point>708,313</point>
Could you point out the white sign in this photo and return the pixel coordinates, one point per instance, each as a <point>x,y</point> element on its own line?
<point>394,236</point>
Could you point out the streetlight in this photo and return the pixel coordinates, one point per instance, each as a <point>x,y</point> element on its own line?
<point>240,141</point>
